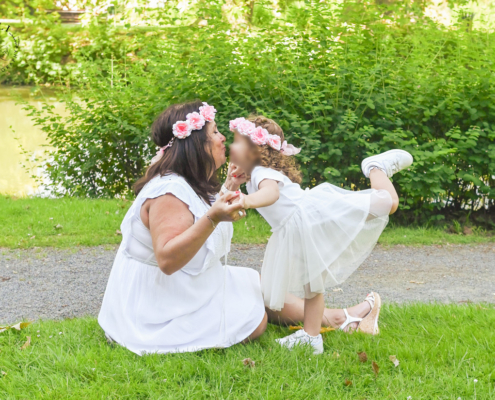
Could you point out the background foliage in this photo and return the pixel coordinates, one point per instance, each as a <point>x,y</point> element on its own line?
<point>344,81</point>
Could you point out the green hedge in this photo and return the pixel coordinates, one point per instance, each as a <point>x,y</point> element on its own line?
<point>341,90</point>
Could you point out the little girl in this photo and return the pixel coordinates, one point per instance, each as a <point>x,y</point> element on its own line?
<point>320,236</point>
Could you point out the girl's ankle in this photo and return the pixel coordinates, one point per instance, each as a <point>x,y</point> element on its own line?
<point>311,334</point>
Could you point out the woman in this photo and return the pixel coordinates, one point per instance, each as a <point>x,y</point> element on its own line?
<point>168,290</point>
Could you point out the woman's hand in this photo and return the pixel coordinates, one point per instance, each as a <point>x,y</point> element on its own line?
<point>235,177</point>
<point>227,208</point>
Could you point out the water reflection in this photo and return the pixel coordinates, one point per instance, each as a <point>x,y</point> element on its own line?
<point>14,179</point>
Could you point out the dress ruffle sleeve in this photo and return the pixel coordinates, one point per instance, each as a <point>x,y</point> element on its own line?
<point>139,242</point>
<point>259,174</point>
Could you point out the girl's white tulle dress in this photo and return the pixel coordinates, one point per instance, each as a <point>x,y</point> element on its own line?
<point>203,305</point>
<point>320,236</point>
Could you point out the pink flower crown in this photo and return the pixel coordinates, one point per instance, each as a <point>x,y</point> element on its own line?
<point>261,137</point>
<point>194,121</point>
<point>183,129</point>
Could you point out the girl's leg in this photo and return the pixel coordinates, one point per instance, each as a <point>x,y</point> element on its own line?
<point>313,314</point>
<point>293,313</point>
<point>380,181</point>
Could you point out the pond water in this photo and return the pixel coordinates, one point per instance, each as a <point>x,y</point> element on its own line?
<point>17,129</point>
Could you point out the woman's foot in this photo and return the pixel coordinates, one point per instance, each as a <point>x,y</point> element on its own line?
<point>349,319</point>
<point>390,162</point>
<point>369,324</point>
<point>336,318</point>
<point>301,338</point>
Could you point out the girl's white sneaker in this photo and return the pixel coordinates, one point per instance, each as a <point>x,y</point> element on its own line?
<point>301,337</point>
<point>390,162</point>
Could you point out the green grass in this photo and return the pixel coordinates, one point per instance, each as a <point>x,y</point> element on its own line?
<point>31,222</point>
<point>442,349</point>
<point>85,222</point>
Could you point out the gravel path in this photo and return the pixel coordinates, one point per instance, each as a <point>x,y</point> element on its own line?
<point>54,283</point>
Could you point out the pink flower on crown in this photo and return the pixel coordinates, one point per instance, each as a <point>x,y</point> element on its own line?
<point>181,129</point>
<point>245,127</point>
<point>274,141</point>
<point>259,136</point>
<point>196,121</point>
<point>235,122</point>
<point>289,149</point>
<point>208,112</point>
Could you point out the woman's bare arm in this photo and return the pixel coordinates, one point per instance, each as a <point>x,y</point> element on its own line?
<point>176,238</point>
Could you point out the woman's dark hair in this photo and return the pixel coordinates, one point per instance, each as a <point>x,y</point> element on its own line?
<point>190,158</point>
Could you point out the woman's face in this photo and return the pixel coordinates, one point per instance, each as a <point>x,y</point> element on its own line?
<point>217,143</point>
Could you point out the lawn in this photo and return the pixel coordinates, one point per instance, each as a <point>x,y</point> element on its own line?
<point>68,222</point>
<point>444,352</point>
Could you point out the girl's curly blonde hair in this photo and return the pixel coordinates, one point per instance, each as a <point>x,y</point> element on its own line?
<point>272,158</point>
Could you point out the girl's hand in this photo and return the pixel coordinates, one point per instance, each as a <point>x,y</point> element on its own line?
<point>226,208</point>
<point>235,177</point>
<point>244,201</point>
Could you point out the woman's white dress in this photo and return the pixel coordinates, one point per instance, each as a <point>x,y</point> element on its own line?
<point>203,305</point>
<point>320,236</point>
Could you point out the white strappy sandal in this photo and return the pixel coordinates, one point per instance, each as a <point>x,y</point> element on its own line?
<point>368,324</point>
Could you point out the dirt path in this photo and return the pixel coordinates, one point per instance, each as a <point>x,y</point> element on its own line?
<point>52,283</point>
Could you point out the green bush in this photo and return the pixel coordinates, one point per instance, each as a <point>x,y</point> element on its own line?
<point>341,90</point>
<point>55,54</point>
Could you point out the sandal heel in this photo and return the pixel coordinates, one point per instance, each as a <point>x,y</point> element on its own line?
<point>369,324</point>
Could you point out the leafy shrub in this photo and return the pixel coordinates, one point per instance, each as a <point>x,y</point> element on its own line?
<point>102,147</point>
<point>341,90</point>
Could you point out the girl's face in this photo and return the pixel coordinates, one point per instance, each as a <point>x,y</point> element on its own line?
<point>217,144</point>
<point>243,152</point>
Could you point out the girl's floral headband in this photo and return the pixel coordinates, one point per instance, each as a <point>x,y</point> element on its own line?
<point>261,137</point>
<point>182,129</point>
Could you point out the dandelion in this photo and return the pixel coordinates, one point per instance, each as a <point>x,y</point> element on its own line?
<point>60,333</point>
<point>476,381</point>
<point>409,397</point>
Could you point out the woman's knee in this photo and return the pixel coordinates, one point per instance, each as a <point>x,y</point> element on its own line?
<point>259,330</point>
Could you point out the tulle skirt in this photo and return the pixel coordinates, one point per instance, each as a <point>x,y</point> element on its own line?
<point>326,238</point>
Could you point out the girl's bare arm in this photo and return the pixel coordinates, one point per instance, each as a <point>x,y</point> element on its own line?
<point>267,194</point>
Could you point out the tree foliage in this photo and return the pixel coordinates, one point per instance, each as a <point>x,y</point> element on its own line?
<point>343,82</point>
